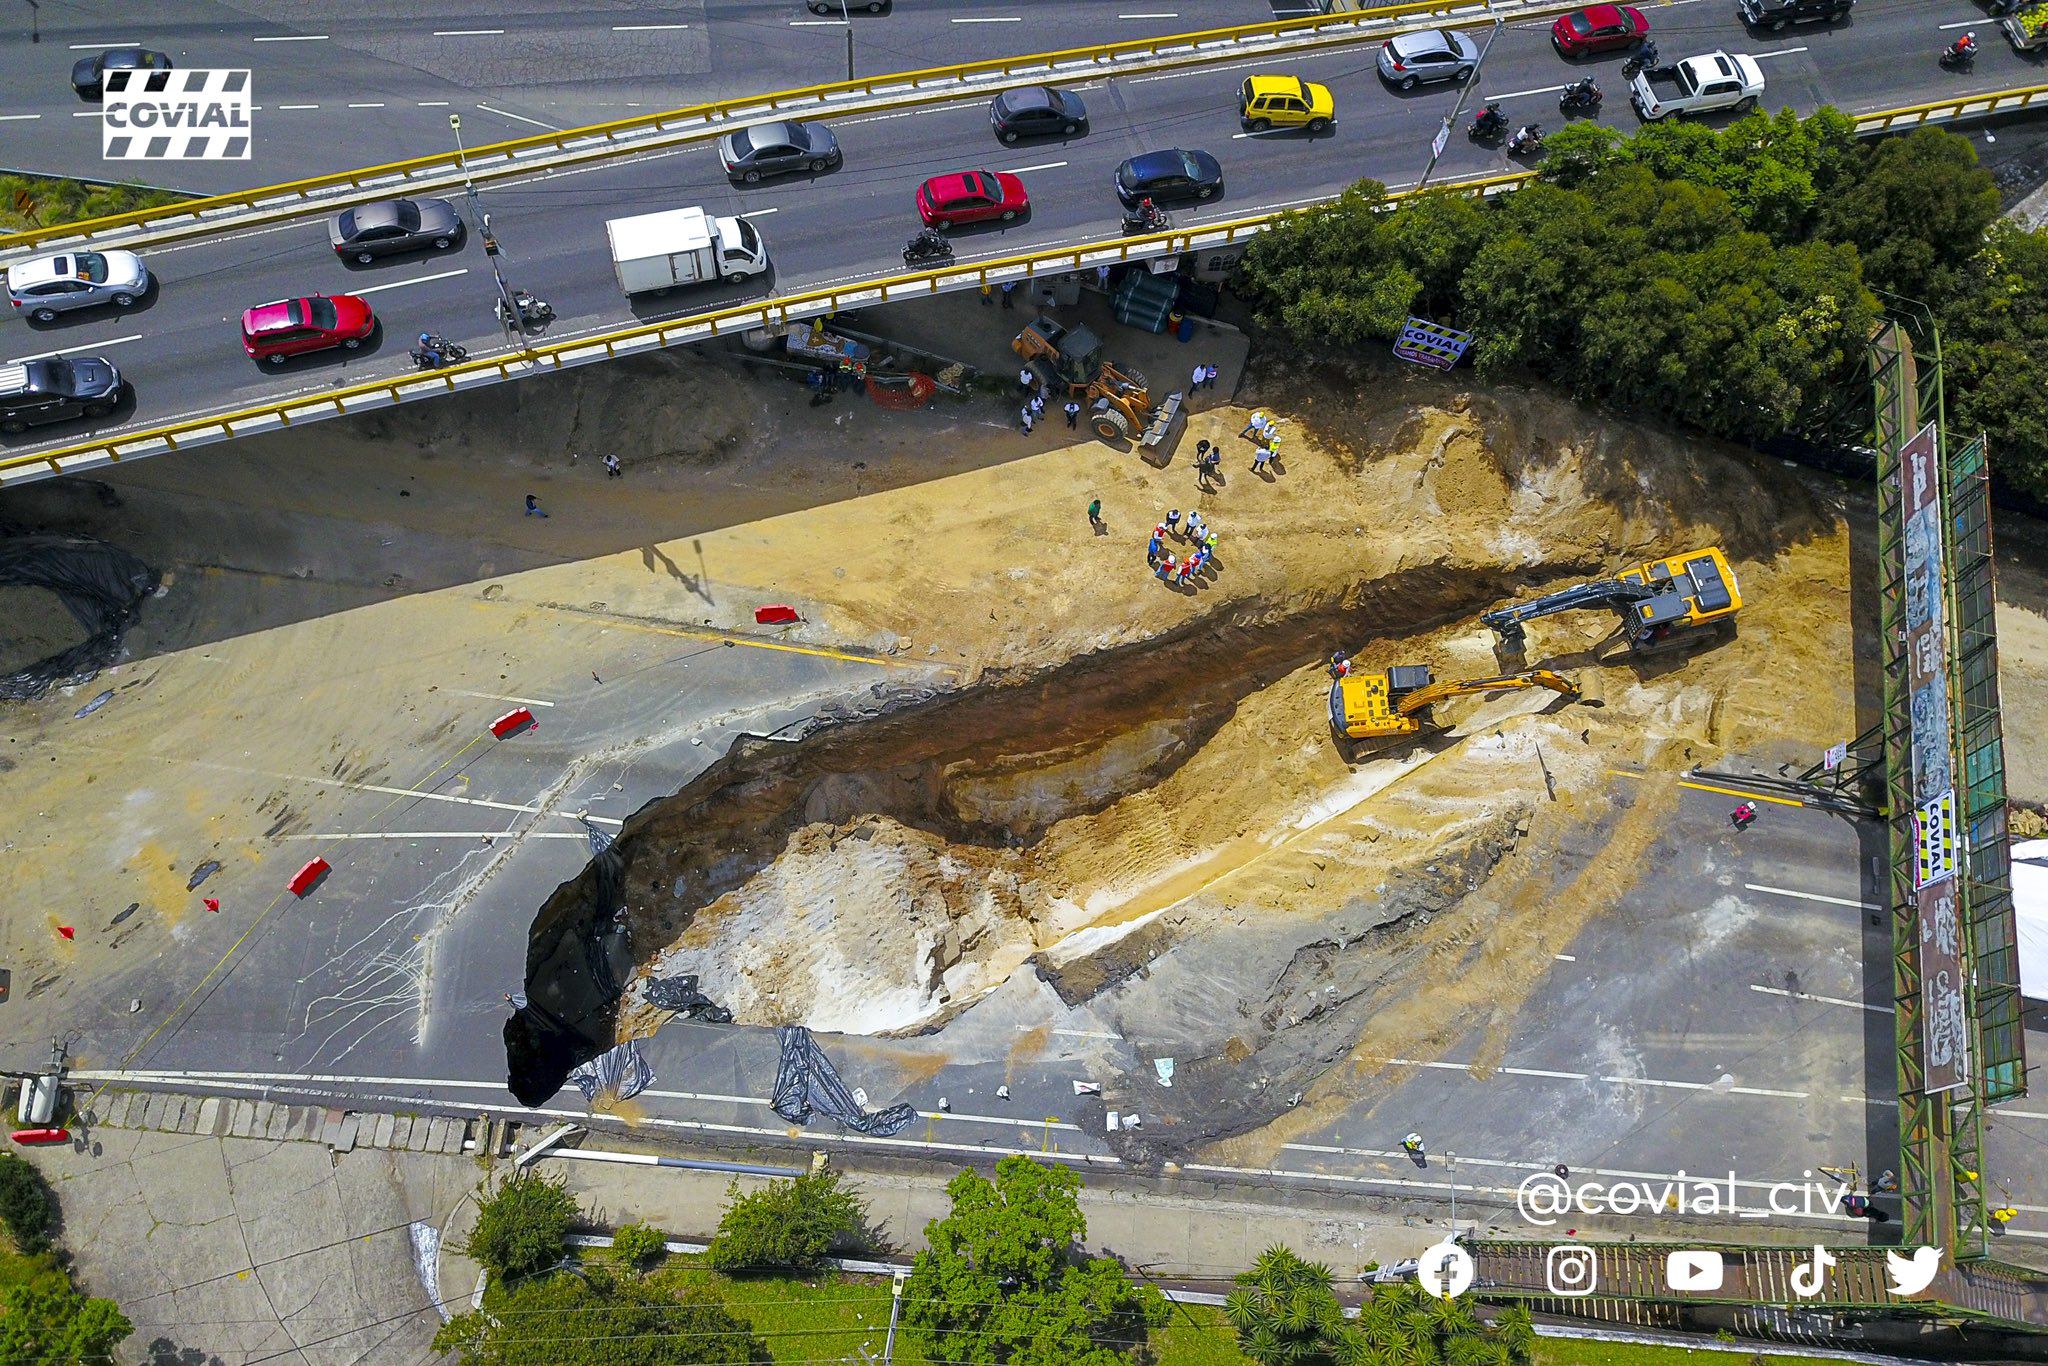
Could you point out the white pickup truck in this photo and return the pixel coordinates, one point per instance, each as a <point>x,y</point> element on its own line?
<point>1698,85</point>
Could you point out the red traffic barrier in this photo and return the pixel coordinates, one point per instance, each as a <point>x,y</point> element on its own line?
<point>308,877</point>
<point>512,722</point>
<point>776,614</point>
<point>67,932</point>
<point>30,1137</point>
<point>212,903</point>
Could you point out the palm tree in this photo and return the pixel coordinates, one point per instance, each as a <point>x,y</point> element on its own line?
<point>1286,1314</point>
<point>1516,1333</point>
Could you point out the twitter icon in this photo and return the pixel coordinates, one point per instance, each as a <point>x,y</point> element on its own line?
<point>1911,1275</point>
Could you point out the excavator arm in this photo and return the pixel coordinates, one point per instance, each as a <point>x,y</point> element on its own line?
<point>1422,698</point>
<point>1507,621</point>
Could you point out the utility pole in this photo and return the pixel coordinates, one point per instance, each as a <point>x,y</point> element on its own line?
<point>895,1309</point>
<point>846,18</point>
<point>507,307</point>
<point>1443,134</point>
<point>1451,1160</point>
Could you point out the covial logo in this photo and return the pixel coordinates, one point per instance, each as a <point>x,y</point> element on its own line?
<point>1444,1270</point>
<point>197,115</point>
<point>1571,1270</point>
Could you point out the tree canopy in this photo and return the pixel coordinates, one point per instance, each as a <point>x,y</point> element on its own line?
<point>1286,1314</point>
<point>787,1225</point>
<point>1002,1281</point>
<point>523,1226</point>
<point>44,1322</point>
<point>593,1319</point>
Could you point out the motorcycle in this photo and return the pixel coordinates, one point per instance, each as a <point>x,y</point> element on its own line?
<point>928,245</point>
<point>1487,123</point>
<point>434,351</point>
<point>1642,59</point>
<point>1580,96</point>
<point>533,312</point>
<point>1528,140</point>
<point>1147,217</point>
<point>1961,55</point>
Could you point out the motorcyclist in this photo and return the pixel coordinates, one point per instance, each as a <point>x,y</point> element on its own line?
<point>1963,49</point>
<point>1148,212</point>
<point>1528,137</point>
<point>1582,92</point>
<point>1489,120</point>
<point>429,352</point>
<point>930,242</point>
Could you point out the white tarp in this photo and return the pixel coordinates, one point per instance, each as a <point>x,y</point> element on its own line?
<point>2030,907</point>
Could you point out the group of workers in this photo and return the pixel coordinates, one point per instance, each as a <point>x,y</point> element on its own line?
<point>1191,530</point>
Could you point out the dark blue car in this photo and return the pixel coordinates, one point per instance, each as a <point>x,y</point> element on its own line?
<point>1166,176</point>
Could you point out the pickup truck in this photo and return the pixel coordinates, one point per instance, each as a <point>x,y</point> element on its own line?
<point>1698,85</point>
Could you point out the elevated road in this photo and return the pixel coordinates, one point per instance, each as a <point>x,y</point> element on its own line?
<point>182,354</point>
<point>343,89</point>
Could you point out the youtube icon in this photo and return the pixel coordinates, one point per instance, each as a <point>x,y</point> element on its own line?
<point>1693,1270</point>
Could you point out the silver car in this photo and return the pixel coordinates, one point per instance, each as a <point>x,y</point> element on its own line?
<point>775,148</point>
<point>1431,54</point>
<point>44,286</point>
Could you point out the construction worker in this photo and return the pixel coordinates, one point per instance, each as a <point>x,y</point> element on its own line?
<point>1743,815</point>
<point>1256,428</point>
<point>1340,664</point>
<point>1152,550</point>
<point>1173,521</point>
<point>1413,1143</point>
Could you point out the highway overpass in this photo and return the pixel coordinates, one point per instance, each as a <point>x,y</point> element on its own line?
<point>834,235</point>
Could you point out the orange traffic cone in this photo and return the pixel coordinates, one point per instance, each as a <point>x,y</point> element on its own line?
<point>67,932</point>
<point>212,903</point>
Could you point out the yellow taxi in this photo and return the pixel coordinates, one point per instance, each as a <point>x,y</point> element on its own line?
<point>1284,102</point>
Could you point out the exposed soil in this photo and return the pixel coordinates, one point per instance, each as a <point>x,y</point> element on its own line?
<point>1167,812</point>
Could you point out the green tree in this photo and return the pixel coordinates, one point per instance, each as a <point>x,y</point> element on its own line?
<point>1001,1281</point>
<point>1995,351</point>
<point>50,1324</point>
<point>26,1205</point>
<point>639,1245</point>
<point>522,1227</point>
<point>566,1319</point>
<point>787,1225</point>
<point>1916,209</point>
<point>1286,1314</point>
<point>1331,276</point>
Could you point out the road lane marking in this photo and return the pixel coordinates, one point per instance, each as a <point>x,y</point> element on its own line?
<point>1824,1000</point>
<point>1041,166</point>
<point>646,28</point>
<point>401,284</point>
<point>1564,958</point>
<point>1738,792</point>
<point>298,106</point>
<point>443,835</point>
<point>685,633</point>
<point>16,118</point>
<point>1781,52</point>
<point>1156,14</point>
<point>88,47</point>
<point>88,346</point>
<point>433,104</point>
<point>993,19</point>
<point>759,213</point>
<point>500,697</point>
<point>293,38</point>
<point>467,32</point>
<point>1811,896</point>
<point>527,809</point>
<point>366,106</point>
<point>506,113</point>
<point>817,23</point>
<point>1547,1075</point>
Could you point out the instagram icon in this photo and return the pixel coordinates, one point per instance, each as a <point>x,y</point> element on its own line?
<point>1571,1270</point>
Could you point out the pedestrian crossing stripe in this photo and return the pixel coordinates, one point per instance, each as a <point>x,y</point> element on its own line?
<point>1934,830</point>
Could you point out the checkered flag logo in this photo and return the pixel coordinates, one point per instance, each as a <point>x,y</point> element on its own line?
<point>197,115</point>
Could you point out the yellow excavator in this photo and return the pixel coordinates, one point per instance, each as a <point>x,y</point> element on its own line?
<point>1397,703</point>
<point>1069,363</point>
<point>1664,604</point>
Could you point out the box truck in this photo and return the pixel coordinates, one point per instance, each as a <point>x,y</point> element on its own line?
<point>658,251</point>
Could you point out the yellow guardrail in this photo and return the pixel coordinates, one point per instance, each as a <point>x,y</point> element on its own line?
<point>787,308</point>
<point>1940,111</point>
<point>607,139</point>
<point>660,336</point>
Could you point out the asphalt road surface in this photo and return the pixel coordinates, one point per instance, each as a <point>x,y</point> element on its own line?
<point>182,354</point>
<point>344,89</point>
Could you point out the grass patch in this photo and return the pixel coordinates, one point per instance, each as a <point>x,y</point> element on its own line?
<point>45,201</point>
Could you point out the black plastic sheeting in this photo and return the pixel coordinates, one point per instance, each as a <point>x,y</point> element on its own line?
<point>681,994</point>
<point>807,1082</point>
<point>620,1073</point>
<point>102,586</point>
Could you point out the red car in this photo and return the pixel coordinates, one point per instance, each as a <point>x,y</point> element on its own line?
<point>1599,28</point>
<point>292,327</point>
<point>971,197</point>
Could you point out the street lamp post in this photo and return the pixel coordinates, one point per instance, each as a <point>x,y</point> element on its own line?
<point>1443,136</point>
<point>1451,1161</point>
<point>846,18</point>
<point>508,308</point>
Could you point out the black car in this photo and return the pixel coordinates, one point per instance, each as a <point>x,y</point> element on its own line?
<point>393,225</point>
<point>54,388</point>
<point>773,148</point>
<point>1777,15</point>
<point>1175,174</point>
<point>1034,111</point>
<point>88,74</point>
